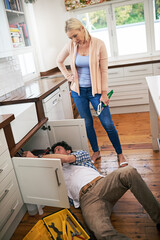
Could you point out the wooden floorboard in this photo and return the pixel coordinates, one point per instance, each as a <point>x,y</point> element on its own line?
<point>128,216</point>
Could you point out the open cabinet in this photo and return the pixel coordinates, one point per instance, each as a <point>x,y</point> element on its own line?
<point>41,180</point>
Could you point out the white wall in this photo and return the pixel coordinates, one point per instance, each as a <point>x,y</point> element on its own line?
<point>47,20</point>
<point>10,75</point>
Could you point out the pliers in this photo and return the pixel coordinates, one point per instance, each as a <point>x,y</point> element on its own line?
<point>101,105</point>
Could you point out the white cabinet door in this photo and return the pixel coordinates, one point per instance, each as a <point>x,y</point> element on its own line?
<point>41,181</point>
<point>72,131</point>
<point>5,39</point>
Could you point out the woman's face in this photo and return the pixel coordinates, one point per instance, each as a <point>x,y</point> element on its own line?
<point>77,36</point>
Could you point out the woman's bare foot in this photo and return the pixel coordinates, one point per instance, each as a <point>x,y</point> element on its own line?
<point>121,160</point>
<point>95,156</point>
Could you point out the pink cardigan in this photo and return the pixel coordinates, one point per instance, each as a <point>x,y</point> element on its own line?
<point>98,60</point>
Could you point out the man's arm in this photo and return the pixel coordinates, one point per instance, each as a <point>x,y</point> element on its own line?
<point>64,158</point>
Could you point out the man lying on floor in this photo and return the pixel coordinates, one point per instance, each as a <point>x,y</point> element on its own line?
<point>96,195</point>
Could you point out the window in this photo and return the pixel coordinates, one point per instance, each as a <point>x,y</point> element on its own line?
<point>130,28</point>
<point>126,27</point>
<point>96,23</point>
<point>27,65</point>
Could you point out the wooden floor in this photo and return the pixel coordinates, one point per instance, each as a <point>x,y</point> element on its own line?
<point>128,215</point>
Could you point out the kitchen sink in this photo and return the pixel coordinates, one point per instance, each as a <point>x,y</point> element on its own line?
<point>25,118</point>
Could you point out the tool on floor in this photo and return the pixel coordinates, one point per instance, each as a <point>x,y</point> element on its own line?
<point>101,105</point>
<point>75,233</point>
<point>59,233</point>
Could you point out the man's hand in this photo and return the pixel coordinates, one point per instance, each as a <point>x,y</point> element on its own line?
<point>28,154</point>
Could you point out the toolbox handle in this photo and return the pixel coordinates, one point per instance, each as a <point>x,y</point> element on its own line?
<point>56,172</point>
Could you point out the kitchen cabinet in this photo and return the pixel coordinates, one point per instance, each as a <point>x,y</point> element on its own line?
<point>57,105</point>
<point>130,87</point>
<point>41,180</point>
<point>72,131</point>
<point>5,39</point>
<point>10,196</point>
<point>13,28</point>
<point>156,69</point>
<point>53,107</point>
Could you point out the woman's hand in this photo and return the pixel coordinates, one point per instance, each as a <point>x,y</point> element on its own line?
<point>28,154</point>
<point>104,98</point>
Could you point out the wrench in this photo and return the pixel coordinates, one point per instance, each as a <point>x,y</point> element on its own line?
<point>59,233</point>
<point>75,233</point>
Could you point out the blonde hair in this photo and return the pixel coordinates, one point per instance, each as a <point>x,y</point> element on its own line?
<point>75,24</point>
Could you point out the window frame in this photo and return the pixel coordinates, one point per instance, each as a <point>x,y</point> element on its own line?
<point>111,24</point>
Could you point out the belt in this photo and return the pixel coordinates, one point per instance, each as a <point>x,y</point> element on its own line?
<point>86,187</point>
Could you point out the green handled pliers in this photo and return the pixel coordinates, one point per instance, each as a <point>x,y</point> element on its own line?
<point>101,105</point>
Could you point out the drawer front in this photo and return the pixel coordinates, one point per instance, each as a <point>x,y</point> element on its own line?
<point>9,212</point>
<point>115,72</point>
<point>138,70</point>
<point>45,100</point>
<point>64,86</point>
<point>129,100</point>
<point>156,68</point>
<point>5,165</point>
<point>52,103</point>
<point>131,96</point>
<point>128,85</point>
<point>3,143</point>
<point>7,188</point>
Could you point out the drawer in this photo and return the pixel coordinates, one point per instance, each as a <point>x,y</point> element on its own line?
<point>52,102</point>
<point>9,212</point>
<point>129,99</point>
<point>156,68</point>
<point>3,143</point>
<point>5,165</point>
<point>45,100</point>
<point>128,84</point>
<point>7,188</point>
<point>64,86</point>
<point>138,70</point>
<point>115,72</point>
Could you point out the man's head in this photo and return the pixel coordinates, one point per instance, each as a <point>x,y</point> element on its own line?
<point>61,148</point>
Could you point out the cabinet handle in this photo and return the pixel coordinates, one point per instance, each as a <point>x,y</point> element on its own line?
<point>140,70</point>
<point>8,217</point>
<point>1,170</point>
<point>4,194</point>
<point>56,171</point>
<point>113,73</point>
<point>55,102</point>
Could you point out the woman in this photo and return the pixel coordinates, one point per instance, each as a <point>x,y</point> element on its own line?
<point>88,77</point>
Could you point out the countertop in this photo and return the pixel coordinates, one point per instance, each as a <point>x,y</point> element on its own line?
<point>5,120</point>
<point>34,90</point>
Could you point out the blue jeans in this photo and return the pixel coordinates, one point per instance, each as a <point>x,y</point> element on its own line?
<point>82,103</point>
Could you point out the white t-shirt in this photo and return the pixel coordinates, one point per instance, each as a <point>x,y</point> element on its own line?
<point>75,178</point>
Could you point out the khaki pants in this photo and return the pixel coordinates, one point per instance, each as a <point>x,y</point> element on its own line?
<point>98,202</point>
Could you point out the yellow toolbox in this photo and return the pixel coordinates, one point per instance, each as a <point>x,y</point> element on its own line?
<point>61,225</point>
